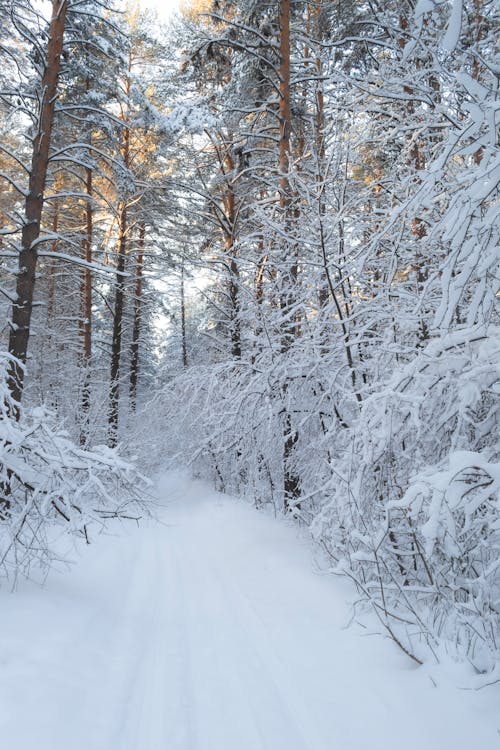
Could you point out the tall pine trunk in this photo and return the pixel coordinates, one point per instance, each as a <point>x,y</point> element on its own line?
<point>123,231</point>
<point>183,321</point>
<point>288,271</point>
<point>116,342</point>
<point>86,291</point>
<point>23,306</point>
<point>234,274</point>
<point>137,318</point>
<point>86,309</point>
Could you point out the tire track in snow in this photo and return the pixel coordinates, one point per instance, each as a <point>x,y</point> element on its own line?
<point>261,665</point>
<point>159,703</point>
<point>115,624</point>
<point>237,698</point>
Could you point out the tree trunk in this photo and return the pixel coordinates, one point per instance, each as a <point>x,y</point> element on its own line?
<point>288,269</point>
<point>86,287</point>
<point>87,278</point>
<point>86,307</point>
<point>22,308</point>
<point>116,343</point>
<point>233,270</point>
<point>136,325</point>
<point>183,321</point>
<point>52,267</point>
<point>227,166</point>
<point>123,229</point>
<point>288,262</point>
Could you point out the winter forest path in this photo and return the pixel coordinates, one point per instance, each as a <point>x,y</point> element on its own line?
<point>212,631</point>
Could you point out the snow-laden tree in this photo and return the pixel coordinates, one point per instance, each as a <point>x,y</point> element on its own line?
<point>51,487</point>
<point>61,96</point>
<point>366,279</point>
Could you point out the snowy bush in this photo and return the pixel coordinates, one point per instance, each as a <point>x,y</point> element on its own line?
<point>416,521</point>
<point>49,484</point>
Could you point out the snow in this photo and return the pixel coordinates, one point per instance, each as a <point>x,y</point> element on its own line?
<point>454,28</point>
<point>213,631</point>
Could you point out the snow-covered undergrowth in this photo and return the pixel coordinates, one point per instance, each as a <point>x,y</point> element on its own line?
<point>414,518</point>
<point>403,497</point>
<point>51,486</point>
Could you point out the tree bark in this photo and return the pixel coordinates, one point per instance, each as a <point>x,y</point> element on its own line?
<point>116,342</point>
<point>183,321</point>
<point>233,265</point>
<point>288,269</point>
<point>86,287</point>
<point>23,306</point>
<point>123,230</point>
<point>86,306</point>
<point>137,318</point>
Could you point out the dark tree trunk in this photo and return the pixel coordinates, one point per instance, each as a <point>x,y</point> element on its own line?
<point>22,308</point>
<point>86,306</point>
<point>86,285</point>
<point>288,270</point>
<point>123,231</point>
<point>183,322</point>
<point>136,325</point>
<point>116,343</point>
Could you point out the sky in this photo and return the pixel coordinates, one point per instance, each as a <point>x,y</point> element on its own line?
<point>163,7</point>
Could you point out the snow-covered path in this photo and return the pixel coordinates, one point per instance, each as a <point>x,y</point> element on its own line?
<point>211,631</point>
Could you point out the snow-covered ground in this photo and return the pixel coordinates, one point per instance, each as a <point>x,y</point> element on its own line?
<point>212,631</point>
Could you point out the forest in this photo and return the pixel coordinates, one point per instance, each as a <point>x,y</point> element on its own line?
<point>260,240</point>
